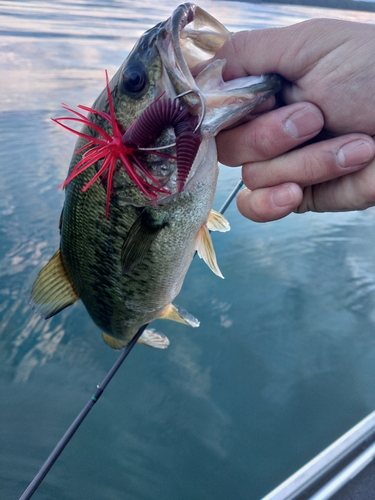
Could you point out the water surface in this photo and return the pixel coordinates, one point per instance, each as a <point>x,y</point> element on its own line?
<point>284,360</point>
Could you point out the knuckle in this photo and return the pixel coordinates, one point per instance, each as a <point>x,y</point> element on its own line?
<point>319,166</point>
<point>368,195</point>
<point>309,167</point>
<point>308,201</point>
<point>262,143</point>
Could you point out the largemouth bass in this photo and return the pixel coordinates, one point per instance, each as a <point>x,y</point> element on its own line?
<point>142,180</point>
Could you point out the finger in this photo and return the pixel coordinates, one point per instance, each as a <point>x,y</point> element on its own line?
<point>264,106</point>
<point>269,135</point>
<point>351,192</point>
<point>271,51</point>
<point>312,164</point>
<point>264,205</point>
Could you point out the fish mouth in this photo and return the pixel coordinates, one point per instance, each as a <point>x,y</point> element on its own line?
<point>190,39</point>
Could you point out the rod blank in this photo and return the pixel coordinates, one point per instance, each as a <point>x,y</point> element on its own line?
<point>30,490</point>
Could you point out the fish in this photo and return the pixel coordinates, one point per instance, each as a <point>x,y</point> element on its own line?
<point>142,180</point>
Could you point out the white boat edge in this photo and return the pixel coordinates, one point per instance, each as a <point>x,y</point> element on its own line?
<point>315,469</point>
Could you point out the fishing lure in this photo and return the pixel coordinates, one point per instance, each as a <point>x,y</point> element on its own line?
<point>149,125</point>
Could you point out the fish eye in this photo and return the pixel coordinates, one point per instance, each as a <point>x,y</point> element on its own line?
<point>135,80</point>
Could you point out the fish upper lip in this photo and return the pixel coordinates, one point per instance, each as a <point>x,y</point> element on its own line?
<point>172,54</point>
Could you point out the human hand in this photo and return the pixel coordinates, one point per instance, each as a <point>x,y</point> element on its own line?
<point>331,84</point>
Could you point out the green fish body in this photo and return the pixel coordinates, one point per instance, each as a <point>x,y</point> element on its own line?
<point>127,264</point>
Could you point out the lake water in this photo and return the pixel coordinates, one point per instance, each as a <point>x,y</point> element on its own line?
<point>284,360</point>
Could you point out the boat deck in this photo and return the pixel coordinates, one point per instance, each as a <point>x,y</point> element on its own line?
<point>361,487</point>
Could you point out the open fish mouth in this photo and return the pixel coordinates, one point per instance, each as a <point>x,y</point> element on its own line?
<point>190,37</point>
<point>187,39</point>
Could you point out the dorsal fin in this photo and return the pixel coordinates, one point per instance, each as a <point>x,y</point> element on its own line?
<point>52,290</point>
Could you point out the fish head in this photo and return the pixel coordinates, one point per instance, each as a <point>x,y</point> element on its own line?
<point>163,108</point>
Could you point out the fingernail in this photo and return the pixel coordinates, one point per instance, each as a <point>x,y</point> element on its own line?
<point>355,153</point>
<point>304,122</point>
<point>282,196</point>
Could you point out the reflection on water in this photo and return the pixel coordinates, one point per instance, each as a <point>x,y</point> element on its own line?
<point>284,360</point>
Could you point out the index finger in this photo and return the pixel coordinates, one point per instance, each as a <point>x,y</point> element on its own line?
<point>269,135</point>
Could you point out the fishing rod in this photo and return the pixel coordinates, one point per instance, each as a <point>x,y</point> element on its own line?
<point>30,490</point>
<point>35,483</point>
<point>229,200</point>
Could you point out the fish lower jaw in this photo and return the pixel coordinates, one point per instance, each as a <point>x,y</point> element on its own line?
<point>205,167</point>
<point>198,180</point>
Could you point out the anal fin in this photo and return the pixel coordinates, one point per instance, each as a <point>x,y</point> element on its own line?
<point>176,313</point>
<point>52,290</point>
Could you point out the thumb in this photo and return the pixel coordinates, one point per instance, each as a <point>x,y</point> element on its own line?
<point>290,51</point>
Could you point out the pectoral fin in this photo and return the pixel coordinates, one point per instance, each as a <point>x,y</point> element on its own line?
<point>217,222</point>
<point>52,290</point>
<point>176,313</point>
<point>139,240</point>
<point>205,250</point>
